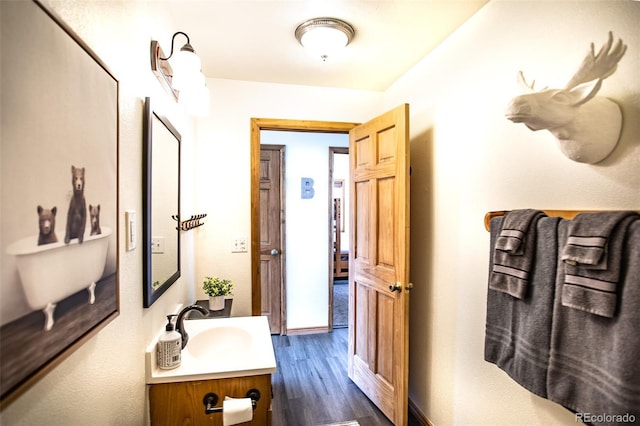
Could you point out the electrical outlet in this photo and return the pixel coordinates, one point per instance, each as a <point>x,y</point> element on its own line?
<point>157,244</point>
<point>239,245</point>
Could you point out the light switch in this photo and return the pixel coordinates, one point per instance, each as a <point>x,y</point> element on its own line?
<point>239,245</point>
<point>131,229</point>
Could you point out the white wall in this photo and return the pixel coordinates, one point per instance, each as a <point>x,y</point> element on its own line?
<point>103,382</point>
<point>307,226</point>
<point>223,164</point>
<point>467,159</point>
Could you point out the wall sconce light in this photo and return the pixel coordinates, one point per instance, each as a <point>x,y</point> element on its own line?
<point>181,75</point>
<point>323,37</point>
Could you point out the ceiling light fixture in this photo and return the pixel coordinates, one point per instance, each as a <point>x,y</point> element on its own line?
<point>323,37</point>
<point>181,75</point>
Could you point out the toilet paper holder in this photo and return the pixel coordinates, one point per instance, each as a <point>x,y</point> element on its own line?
<point>211,399</point>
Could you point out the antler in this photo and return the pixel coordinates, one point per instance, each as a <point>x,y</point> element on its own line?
<point>523,81</point>
<point>599,66</point>
<point>527,87</point>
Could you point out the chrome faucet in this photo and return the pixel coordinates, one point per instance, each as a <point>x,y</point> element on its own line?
<point>179,322</point>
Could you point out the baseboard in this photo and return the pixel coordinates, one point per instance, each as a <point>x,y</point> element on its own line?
<point>308,330</point>
<point>419,415</point>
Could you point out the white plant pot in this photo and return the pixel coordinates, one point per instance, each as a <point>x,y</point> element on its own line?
<point>216,303</point>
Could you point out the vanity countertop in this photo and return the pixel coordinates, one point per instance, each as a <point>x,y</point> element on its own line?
<point>218,348</point>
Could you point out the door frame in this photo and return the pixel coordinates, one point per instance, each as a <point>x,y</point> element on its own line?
<point>258,124</point>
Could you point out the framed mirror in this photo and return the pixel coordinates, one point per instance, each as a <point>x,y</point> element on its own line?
<point>161,206</point>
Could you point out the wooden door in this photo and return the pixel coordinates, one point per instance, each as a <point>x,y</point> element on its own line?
<point>271,239</point>
<point>379,261</point>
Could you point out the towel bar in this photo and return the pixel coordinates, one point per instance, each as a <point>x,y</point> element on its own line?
<point>565,214</point>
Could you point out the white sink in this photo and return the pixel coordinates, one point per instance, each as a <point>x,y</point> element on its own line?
<point>219,348</point>
<point>220,343</point>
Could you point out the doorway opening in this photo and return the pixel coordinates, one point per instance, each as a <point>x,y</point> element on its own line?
<point>339,234</point>
<point>296,238</point>
<point>378,344</point>
<point>257,125</point>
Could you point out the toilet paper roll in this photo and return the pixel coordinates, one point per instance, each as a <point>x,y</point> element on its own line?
<point>236,410</point>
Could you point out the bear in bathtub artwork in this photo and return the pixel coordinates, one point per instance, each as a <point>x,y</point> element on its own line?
<point>62,120</point>
<point>51,271</point>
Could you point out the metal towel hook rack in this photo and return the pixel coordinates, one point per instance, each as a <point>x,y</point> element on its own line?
<point>211,399</point>
<point>193,222</point>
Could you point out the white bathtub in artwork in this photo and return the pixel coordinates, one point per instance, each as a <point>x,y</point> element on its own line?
<point>52,272</point>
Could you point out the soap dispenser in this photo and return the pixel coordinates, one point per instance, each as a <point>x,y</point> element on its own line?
<point>169,347</point>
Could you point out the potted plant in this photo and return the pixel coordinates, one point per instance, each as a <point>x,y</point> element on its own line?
<point>217,289</point>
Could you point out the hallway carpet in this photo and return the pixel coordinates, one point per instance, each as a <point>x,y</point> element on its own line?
<point>340,303</point>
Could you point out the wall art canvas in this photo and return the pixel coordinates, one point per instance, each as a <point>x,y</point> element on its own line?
<point>59,193</point>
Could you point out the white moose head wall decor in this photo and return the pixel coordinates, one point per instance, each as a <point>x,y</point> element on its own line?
<point>587,126</point>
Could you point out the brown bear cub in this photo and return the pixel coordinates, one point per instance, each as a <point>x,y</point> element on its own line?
<point>94,219</point>
<point>77,215</point>
<point>47,224</point>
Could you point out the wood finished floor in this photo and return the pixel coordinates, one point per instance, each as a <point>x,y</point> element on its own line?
<point>311,387</point>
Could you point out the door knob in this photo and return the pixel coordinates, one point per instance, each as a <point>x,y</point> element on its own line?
<point>397,286</point>
<point>275,252</point>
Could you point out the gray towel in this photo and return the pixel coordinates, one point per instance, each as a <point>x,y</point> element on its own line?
<point>518,332</point>
<point>594,364</point>
<point>589,234</point>
<point>514,252</point>
<point>592,256</point>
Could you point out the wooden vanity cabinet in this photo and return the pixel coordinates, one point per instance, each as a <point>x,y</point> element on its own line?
<point>181,403</point>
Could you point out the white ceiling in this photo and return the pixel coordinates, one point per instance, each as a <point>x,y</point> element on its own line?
<point>254,39</point>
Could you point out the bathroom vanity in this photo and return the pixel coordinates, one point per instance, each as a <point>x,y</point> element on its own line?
<point>183,402</point>
<point>227,357</point>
